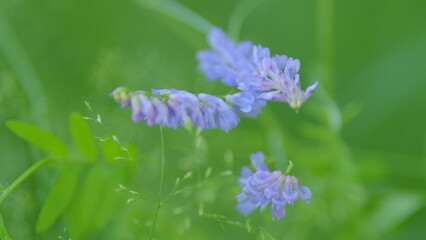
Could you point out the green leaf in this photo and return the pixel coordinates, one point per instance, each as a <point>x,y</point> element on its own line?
<point>110,197</point>
<point>39,137</point>
<point>59,197</point>
<point>83,137</point>
<point>111,151</point>
<point>3,231</point>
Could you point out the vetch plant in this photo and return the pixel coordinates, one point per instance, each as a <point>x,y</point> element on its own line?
<point>256,78</point>
<point>91,183</point>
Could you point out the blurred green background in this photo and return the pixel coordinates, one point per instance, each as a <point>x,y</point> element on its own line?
<point>359,143</point>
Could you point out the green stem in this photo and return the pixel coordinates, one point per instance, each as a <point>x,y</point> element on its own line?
<point>3,231</point>
<point>159,203</point>
<point>325,46</point>
<point>240,13</point>
<point>289,168</point>
<point>23,177</point>
<point>179,12</point>
<point>20,63</point>
<point>325,43</point>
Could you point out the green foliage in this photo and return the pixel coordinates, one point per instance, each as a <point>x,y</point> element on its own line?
<point>83,137</point>
<point>87,203</point>
<point>109,199</point>
<point>110,150</point>
<point>84,208</point>
<point>359,144</point>
<point>60,196</point>
<point>397,207</point>
<point>39,137</point>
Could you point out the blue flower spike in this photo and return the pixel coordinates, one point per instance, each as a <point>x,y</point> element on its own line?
<point>254,71</point>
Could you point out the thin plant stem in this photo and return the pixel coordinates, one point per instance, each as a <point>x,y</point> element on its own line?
<point>325,46</point>
<point>289,168</point>
<point>159,203</point>
<point>179,12</point>
<point>24,176</point>
<point>325,43</point>
<point>240,13</point>
<point>20,63</point>
<point>3,231</point>
<point>197,144</point>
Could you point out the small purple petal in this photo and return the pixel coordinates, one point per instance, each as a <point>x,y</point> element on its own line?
<point>246,172</point>
<point>275,96</point>
<point>305,194</point>
<point>281,61</point>
<point>310,90</point>
<point>257,159</point>
<point>243,100</point>
<point>289,194</point>
<point>278,212</point>
<point>242,197</point>
<point>246,208</point>
<point>292,67</point>
<point>137,114</point>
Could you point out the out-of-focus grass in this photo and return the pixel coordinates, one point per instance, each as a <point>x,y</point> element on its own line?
<point>367,174</point>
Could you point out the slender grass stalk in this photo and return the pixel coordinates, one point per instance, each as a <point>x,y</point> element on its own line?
<point>16,56</point>
<point>325,43</point>
<point>325,46</point>
<point>240,13</point>
<point>197,150</point>
<point>3,231</point>
<point>159,202</point>
<point>179,12</point>
<point>24,176</point>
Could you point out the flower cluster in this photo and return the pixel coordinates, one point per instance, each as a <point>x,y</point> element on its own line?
<point>176,108</point>
<point>249,69</point>
<point>263,187</point>
<point>252,70</point>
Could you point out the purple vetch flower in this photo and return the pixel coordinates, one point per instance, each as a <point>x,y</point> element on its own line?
<point>242,100</point>
<point>252,70</point>
<point>287,85</point>
<point>248,104</point>
<point>263,187</point>
<point>120,95</point>
<point>226,60</point>
<point>176,108</point>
